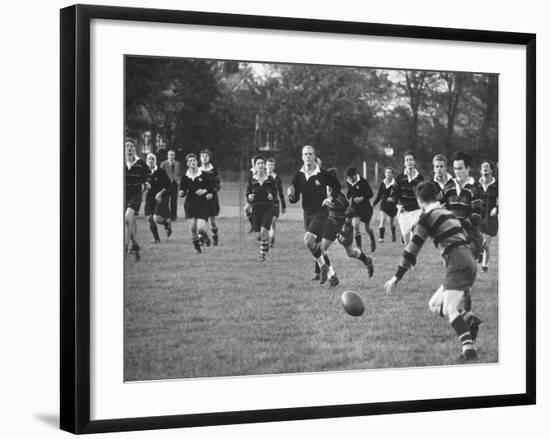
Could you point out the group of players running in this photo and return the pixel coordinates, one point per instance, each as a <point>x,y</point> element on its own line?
<point>460,214</point>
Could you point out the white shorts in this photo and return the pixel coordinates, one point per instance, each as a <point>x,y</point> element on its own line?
<point>407,220</point>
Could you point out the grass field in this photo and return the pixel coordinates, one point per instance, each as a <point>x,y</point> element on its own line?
<point>223,313</point>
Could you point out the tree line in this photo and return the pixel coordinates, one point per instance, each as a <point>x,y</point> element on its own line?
<point>348,114</point>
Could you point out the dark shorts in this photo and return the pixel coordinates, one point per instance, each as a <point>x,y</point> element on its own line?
<point>363,211</point>
<point>489,225</point>
<point>460,269</point>
<point>389,209</point>
<point>262,216</point>
<point>153,208</point>
<point>133,200</point>
<point>332,228</point>
<point>213,206</point>
<point>195,208</point>
<point>314,221</point>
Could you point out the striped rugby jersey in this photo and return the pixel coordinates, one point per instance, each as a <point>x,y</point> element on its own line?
<point>261,189</point>
<point>464,203</point>
<point>137,174</point>
<point>441,225</point>
<point>406,186</point>
<point>337,209</point>
<point>488,194</point>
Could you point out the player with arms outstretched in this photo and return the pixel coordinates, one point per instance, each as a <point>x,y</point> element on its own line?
<point>460,266</point>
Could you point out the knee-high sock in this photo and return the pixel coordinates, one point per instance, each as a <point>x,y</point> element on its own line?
<point>382,231</point>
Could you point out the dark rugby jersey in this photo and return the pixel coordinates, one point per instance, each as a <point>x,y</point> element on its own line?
<point>138,174</point>
<point>488,196</point>
<point>159,181</point>
<point>337,209</point>
<point>406,195</point>
<point>280,192</point>
<point>439,224</point>
<point>360,188</point>
<point>190,184</point>
<point>312,189</point>
<point>386,190</point>
<point>214,177</point>
<point>439,186</point>
<point>466,204</point>
<point>261,190</point>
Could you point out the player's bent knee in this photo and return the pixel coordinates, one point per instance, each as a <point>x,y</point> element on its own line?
<point>310,240</point>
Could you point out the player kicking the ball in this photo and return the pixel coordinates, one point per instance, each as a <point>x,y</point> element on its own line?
<point>460,266</point>
<point>339,226</point>
<point>260,193</point>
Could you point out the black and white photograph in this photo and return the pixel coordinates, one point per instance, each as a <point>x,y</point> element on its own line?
<point>284,218</point>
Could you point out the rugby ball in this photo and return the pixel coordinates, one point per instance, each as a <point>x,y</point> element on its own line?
<point>352,303</point>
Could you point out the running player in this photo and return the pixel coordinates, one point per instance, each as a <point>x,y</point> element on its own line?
<point>387,196</point>
<point>196,187</point>
<point>460,266</point>
<point>156,200</point>
<point>279,204</point>
<point>408,211</point>
<point>310,183</point>
<point>138,178</point>
<point>260,193</point>
<point>488,194</point>
<point>359,194</point>
<point>214,204</point>
<point>339,225</point>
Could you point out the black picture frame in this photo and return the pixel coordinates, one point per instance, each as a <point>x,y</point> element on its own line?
<point>75,217</point>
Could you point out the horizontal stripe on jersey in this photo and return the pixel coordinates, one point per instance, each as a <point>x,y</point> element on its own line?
<point>406,195</point>
<point>465,205</point>
<point>138,174</point>
<point>439,224</point>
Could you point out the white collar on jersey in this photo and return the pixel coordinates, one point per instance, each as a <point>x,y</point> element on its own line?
<point>207,168</point>
<point>191,176</point>
<point>315,171</point>
<point>154,169</point>
<point>415,174</point>
<point>130,164</point>
<point>432,206</point>
<point>353,183</point>
<point>449,178</point>
<point>486,185</point>
<point>388,184</point>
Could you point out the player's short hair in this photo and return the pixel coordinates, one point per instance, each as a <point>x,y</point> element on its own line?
<point>440,158</point>
<point>171,150</point>
<point>490,163</point>
<point>206,151</point>
<point>191,155</point>
<point>388,168</point>
<point>333,172</point>
<point>258,157</point>
<point>464,156</point>
<point>409,152</point>
<point>426,192</point>
<point>309,146</point>
<point>351,171</point>
<point>270,160</point>
<point>132,141</point>
<point>151,155</point>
